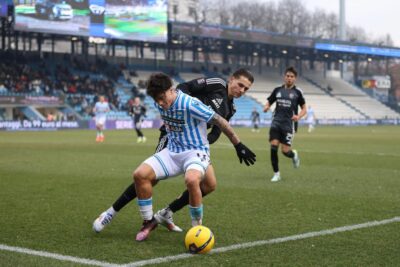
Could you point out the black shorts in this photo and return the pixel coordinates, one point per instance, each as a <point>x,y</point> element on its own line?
<point>285,135</point>
<point>162,140</point>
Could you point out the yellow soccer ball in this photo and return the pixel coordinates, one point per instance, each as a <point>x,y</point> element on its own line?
<point>199,239</point>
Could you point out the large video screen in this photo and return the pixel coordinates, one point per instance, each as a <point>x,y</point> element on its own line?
<point>143,20</point>
<point>3,8</point>
<point>53,16</point>
<point>136,20</point>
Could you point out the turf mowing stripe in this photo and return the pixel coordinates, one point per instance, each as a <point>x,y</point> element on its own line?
<point>187,255</point>
<point>56,256</point>
<point>268,242</point>
<point>229,145</point>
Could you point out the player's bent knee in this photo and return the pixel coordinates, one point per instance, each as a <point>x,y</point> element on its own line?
<point>208,186</point>
<point>140,175</point>
<point>192,179</point>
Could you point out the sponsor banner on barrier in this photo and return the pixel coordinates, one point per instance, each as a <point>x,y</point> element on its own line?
<point>27,125</point>
<point>343,122</point>
<point>126,124</point>
<point>41,125</point>
<point>32,100</point>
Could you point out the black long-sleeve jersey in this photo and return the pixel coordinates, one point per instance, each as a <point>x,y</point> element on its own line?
<point>287,102</point>
<point>214,93</point>
<point>137,112</point>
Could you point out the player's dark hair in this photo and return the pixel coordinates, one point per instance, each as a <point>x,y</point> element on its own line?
<point>245,73</point>
<point>292,70</point>
<point>157,84</point>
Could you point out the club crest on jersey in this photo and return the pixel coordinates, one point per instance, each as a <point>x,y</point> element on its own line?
<point>291,96</point>
<point>195,102</point>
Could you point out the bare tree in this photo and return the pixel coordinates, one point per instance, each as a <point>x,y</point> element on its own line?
<point>332,26</point>
<point>206,10</point>
<point>286,17</point>
<point>270,18</point>
<point>356,34</point>
<point>318,19</point>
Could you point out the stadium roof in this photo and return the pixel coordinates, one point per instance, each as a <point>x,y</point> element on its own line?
<point>271,38</point>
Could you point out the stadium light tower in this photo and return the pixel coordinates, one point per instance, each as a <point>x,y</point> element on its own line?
<point>342,31</point>
<point>342,20</point>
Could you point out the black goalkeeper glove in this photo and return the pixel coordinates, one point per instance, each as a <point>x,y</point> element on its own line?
<point>245,154</point>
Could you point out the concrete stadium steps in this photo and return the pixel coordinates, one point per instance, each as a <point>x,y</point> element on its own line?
<point>371,107</point>
<point>354,97</point>
<point>339,86</point>
<point>327,107</point>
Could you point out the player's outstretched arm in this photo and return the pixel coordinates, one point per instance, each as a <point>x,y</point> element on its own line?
<point>266,107</point>
<point>243,152</point>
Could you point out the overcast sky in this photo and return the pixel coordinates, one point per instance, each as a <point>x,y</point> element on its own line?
<point>376,17</point>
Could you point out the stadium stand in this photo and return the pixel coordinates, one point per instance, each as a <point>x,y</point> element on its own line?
<point>81,82</point>
<point>325,105</point>
<point>352,96</point>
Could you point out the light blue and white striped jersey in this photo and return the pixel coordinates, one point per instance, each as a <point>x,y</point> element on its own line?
<point>186,123</point>
<point>101,109</point>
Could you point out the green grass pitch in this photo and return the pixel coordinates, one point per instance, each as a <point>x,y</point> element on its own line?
<point>54,184</point>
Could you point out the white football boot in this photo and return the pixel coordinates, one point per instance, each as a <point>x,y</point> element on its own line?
<point>101,222</point>
<point>276,177</point>
<point>296,159</point>
<point>164,217</point>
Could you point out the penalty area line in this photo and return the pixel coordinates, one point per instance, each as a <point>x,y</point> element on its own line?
<point>267,242</point>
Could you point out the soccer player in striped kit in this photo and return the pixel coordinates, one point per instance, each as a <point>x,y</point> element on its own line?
<point>187,152</point>
<point>219,95</point>
<point>101,109</point>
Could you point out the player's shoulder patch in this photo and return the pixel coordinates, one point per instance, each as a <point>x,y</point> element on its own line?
<point>201,81</point>
<point>216,80</point>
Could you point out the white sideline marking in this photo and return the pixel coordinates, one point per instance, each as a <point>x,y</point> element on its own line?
<point>268,242</point>
<point>186,255</point>
<point>56,256</point>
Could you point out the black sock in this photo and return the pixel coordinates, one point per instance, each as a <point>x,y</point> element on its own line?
<point>126,197</point>
<point>289,154</point>
<point>181,201</point>
<point>274,158</point>
<point>139,133</point>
